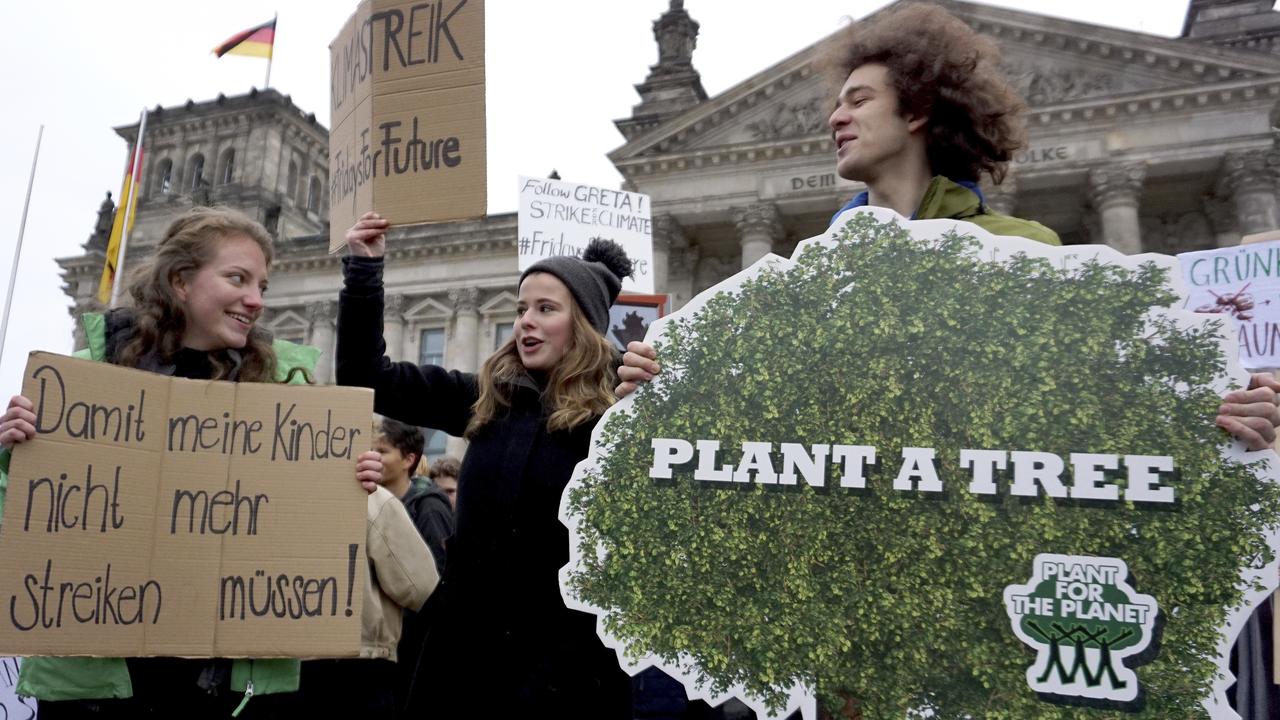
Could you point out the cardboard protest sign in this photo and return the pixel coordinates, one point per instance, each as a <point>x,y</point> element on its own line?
<point>560,218</point>
<point>159,516</point>
<point>1241,283</point>
<point>932,472</point>
<point>13,707</point>
<point>407,107</point>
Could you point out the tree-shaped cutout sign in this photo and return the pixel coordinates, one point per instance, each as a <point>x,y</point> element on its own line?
<point>850,455</point>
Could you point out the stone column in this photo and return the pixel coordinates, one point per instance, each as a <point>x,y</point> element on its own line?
<point>393,326</point>
<point>464,345</point>
<point>465,338</point>
<point>322,315</point>
<point>666,231</point>
<point>1115,191</point>
<point>1001,198</point>
<point>712,270</point>
<point>1248,182</point>
<point>408,344</point>
<point>681,272</point>
<point>759,227</point>
<point>1222,218</point>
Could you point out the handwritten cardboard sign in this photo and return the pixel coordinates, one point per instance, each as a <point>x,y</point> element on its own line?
<point>560,218</point>
<point>407,107</point>
<point>1241,283</point>
<point>160,516</point>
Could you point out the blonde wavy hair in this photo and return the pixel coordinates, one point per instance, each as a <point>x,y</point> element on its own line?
<point>191,242</point>
<point>579,388</point>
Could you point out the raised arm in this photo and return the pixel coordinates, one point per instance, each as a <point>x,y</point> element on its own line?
<point>425,395</point>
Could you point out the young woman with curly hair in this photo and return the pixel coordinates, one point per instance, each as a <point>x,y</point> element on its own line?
<point>504,644</point>
<point>195,306</point>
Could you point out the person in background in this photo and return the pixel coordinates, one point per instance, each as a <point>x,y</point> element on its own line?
<point>431,510</point>
<point>444,475</point>
<point>399,578</point>
<point>400,446</point>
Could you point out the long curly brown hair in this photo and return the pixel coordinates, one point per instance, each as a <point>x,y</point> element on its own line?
<point>578,389</point>
<point>190,242</point>
<point>940,69</point>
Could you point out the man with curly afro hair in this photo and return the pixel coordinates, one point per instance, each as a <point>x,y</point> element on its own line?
<point>922,113</point>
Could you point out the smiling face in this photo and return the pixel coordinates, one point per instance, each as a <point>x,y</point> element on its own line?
<point>871,136</point>
<point>544,328</point>
<point>222,300</point>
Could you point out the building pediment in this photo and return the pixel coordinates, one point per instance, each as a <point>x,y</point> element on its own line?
<point>1052,62</point>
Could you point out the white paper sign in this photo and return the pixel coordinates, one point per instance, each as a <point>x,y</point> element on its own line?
<point>1242,283</point>
<point>560,218</point>
<point>13,707</point>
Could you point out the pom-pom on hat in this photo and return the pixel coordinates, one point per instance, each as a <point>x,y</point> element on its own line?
<point>594,280</point>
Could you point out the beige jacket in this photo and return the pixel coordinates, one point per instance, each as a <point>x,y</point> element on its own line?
<point>401,574</point>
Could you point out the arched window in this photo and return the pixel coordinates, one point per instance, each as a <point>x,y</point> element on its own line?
<point>196,173</point>
<point>313,195</point>
<point>292,188</point>
<point>164,176</point>
<point>226,168</point>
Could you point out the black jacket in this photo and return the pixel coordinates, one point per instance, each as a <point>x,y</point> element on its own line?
<point>510,645</point>
<point>433,516</point>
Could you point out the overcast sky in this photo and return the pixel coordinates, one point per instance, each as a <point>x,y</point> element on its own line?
<point>559,72</point>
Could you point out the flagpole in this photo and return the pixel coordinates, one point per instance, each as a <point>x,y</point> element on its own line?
<point>17,250</point>
<point>272,55</point>
<point>130,204</point>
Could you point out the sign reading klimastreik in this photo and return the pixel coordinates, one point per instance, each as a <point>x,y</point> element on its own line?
<point>407,105</point>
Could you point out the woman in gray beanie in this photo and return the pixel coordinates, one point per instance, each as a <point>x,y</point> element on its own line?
<point>504,644</point>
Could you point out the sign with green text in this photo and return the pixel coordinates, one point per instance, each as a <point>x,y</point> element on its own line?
<point>924,471</point>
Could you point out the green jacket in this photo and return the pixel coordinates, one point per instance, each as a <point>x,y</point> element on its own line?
<point>945,199</point>
<point>85,678</point>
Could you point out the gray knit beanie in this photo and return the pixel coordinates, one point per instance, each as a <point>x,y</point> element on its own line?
<point>594,280</point>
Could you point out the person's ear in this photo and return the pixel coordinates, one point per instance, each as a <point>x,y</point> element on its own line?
<point>179,285</point>
<point>916,123</point>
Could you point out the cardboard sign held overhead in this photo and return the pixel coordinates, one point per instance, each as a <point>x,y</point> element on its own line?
<point>159,516</point>
<point>407,107</point>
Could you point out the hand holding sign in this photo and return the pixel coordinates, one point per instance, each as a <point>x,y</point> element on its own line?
<point>368,237</point>
<point>18,423</point>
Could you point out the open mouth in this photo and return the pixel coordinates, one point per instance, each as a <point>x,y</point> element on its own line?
<point>243,319</point>
<point>530,344</point>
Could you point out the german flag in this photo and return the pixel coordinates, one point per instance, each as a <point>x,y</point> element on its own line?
<point>256,41</point>
<point>128,193</point>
